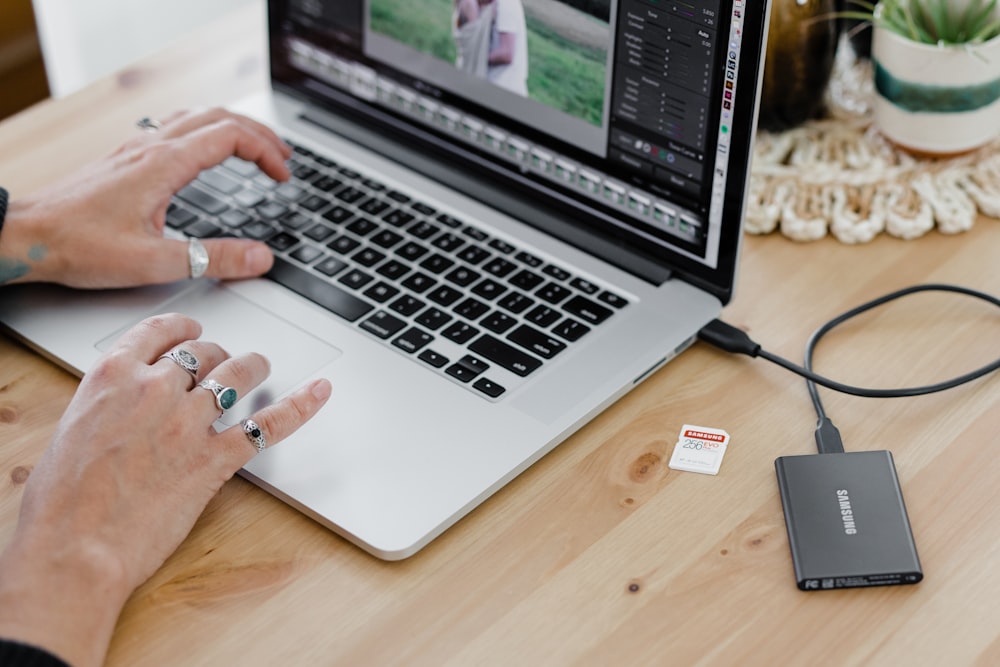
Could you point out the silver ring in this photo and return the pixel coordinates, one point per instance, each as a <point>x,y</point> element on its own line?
<point>254,434</point>
<point>197,258</point>
<point>147,124</point>
<point>185,360</point>
<point>225,397</point>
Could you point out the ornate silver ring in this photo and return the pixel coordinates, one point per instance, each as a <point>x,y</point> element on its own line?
<point>225,397</point>
<point>147,124</point>
<point>197,258</point>
<point>185,360</point>
<point>254,434</point>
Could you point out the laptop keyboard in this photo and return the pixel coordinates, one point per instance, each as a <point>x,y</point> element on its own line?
<point>476,308</point>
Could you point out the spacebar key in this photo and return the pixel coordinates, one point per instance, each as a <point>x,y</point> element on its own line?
<point>318,290</point>
<point>505,355</point>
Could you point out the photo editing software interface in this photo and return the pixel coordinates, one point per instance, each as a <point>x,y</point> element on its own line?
<point>623,106</point>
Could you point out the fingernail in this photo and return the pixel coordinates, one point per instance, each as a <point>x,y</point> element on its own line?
<point>321,389</point>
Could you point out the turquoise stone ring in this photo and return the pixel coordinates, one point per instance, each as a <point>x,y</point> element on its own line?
<point>225,397</point>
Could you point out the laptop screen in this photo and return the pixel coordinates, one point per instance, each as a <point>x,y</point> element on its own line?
<point>633,118</point>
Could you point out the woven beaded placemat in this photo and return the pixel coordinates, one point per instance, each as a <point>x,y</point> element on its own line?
<point>838,175</point>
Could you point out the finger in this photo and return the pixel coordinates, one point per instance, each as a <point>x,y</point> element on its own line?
<point>153,336</point>
<point>205,356</point>
<point>166,260</point>
<point>236,377</point>
<point>182,123</point>
<point>207,146</point>
<point>277,421</point>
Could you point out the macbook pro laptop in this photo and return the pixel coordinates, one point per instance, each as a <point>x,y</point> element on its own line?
<point>482,250</point>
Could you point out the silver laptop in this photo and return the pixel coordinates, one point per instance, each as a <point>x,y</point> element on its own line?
<point>481,249</point>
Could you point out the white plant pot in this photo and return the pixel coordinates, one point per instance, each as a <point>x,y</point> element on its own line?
<point>936,100</point>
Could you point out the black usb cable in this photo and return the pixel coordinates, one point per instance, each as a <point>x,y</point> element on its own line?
<point>727,337</point>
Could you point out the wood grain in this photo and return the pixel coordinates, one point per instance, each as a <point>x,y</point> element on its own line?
<point>599,554</point>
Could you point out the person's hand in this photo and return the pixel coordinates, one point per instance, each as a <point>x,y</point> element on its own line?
<point>131,466</point>
<point>103,225</point>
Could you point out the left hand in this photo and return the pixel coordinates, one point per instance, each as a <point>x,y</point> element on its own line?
<point>102,226</point>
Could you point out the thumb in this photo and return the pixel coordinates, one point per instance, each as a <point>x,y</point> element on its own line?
<point>237,258</point>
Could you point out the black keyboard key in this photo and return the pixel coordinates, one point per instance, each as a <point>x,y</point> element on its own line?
<point>423,230</point>
<point>411,251</point>
<point>337,215</point>
<point>362,226</point>
<point>556,272</point>
<point>542,316</point>
<point>488,387</point>
<point>611,299</point>
<point>488,289</point>
<point>433,358</point>
<point>393,270</point>
<point>448,242</point>
<point>386,238</point>
<point>351,194</point>
<point>373,185</point>
<point>313,203</point>
<point>397,196</point>
<point>516,302</point>
<point>178,218</point>
<point>553,293</point>
<point>473,255</point>
<point>505,355</point>
<point>294,220</point>
<point>498,322</point>
<point>413,339</point>
<point>529,259</point>
<point>374,206</point>
<point>471,309</point>
<point>383,325</point>
<point>444,295</point>
<point>368,257</point>
<point>420,207</point>
<point>327,183</point>
<point>282,241</point>
<point>343,244</point>
<point>570,329</point>
<point>257,229</point>
<point>407,305</point>
<point>437,263</point>
<point>381,292</point>
<point>201,199</point>
<point>355,278</point>
<point>433,319</point>
<point>460,373</point>
<point>271,210</point>
<point>584,286</point>
<point>462,276</point>
<point>587,310</point>
<point>326,162</point>
<point>419,282</point>
<point>474,233</point>
<point>319,232</point>
<point>330,266</point>
<point>460,332</point>
<point>499,267</point>
<point>536,341</point>
<point>349,173</point>
<point>203,229</point>
<point>526,280</point>
<point>316,289</point>
<point>307,254</point>
<point>502,246</point>
<point>449,220</point>
<point>398,218</point>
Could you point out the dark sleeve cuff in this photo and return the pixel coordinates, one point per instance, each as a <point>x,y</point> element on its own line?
<point>16,654</point>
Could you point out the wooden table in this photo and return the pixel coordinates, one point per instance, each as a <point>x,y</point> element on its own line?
<point>599,554</point>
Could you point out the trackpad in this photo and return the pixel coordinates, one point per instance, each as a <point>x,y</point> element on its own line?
<point>240,326</point>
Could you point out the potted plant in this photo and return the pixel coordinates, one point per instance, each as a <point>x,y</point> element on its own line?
<point>937,72</point>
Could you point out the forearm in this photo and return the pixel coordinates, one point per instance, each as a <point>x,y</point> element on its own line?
<point>24,253</point>
<point>60,599</point>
